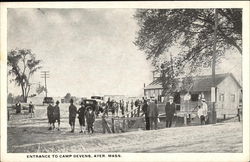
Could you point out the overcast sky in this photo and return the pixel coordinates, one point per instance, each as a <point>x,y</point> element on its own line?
<point>87,51</point>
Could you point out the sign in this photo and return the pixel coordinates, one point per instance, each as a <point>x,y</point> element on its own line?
<point>187,97</point>
<point>212,94</point>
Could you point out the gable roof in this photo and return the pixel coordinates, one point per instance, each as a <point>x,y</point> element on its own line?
<point>200,83</point>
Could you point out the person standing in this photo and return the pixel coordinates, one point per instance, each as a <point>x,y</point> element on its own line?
<point>122,106</point>
<point>153,114</point>
<point>81,116</point>
<point>31,109</point>
<point>202,112</point>
<point>137,106</point>
<point>145,111</point>
<point>127,104</point>
<point>72,115</point>
<point>90,118</point>
<point>132,107</point>
<point>170,110</point>
<point>56,114</point>
<point>50,110</point>
<point>18,107</point>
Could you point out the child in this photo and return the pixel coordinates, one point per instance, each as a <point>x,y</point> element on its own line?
<point>72,115</point>
<point>31,109</point>
<point>81,116</point>
<point>90,118</point>
<point>56,114</point>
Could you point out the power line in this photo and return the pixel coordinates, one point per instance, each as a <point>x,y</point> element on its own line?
<point>45,75</point>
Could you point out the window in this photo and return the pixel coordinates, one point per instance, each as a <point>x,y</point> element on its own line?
<point>194,97</point>
<point>232,97</point>
<point>221,97</point>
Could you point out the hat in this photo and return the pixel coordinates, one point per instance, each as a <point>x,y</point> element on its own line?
<point>89,108</point>
<point>57,102</point>
<point>204,100</point>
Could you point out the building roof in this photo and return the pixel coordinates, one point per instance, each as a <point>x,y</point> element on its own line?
<point>156,84</point>
<point>200,83</point>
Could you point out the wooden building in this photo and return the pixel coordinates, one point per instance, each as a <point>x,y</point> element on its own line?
<point>228,94</point>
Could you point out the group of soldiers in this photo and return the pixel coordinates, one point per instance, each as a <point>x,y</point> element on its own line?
<point>53,113</point>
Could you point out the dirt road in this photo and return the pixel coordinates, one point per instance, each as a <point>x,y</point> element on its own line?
<point>31,135</point>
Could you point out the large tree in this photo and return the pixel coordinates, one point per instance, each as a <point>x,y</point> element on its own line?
<point>22,65</point>
<point>191,31</point>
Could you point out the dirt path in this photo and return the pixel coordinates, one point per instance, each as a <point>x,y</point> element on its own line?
<point>222,137</point>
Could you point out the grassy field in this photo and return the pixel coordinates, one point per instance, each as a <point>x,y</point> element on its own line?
<point>32,135</point>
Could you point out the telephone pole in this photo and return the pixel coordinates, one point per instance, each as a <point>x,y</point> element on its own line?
<point>45,75</point>
<point>213,90</point>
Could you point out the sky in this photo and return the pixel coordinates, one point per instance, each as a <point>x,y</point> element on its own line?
<point>87,51</point>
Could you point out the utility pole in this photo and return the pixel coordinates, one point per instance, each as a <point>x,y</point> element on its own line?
<point>213,90</point>
<point>45,75</point>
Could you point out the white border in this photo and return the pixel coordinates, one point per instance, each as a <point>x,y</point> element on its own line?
<point>137,156</point>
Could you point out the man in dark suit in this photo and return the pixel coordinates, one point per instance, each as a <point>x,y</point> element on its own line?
<point>170,110</point>
<point>145,111</point>
<point>153,114</point>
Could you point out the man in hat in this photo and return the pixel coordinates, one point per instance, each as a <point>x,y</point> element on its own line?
<point>145,110</point>
<point>50,110</point>
<point>202,112</point>
<point>72,115</point>
<point>56,114</point>
<point>153,114</point>
<point>81,116</point>
<point>170,110</point>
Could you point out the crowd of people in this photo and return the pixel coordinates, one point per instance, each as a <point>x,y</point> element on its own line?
<point>53,114</point>
<point>87,115</point>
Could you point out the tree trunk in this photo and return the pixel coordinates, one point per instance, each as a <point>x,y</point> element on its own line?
<point>23,94</point>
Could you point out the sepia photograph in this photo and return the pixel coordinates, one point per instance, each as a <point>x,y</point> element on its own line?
<point>124,80</point>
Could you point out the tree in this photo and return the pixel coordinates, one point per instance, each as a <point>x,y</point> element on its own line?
<point>10,98</point>
<point>67,97</point>
<point>22,65</point>
<point>191,31</point>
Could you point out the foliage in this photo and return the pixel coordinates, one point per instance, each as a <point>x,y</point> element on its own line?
<point>11,99</point>
<point>190,32</point>
<point>67,97</point>
<point>40,89</point>
<point>22,65</point>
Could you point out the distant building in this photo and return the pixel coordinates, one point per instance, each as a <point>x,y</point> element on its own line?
<point>113,97</point>
<point>228,93</point>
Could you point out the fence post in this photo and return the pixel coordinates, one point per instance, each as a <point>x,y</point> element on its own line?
<point>185,119</point>
<point>123,124</point>
<point>113,125</point>
<point>8,115</point>
<point>239,113</point>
